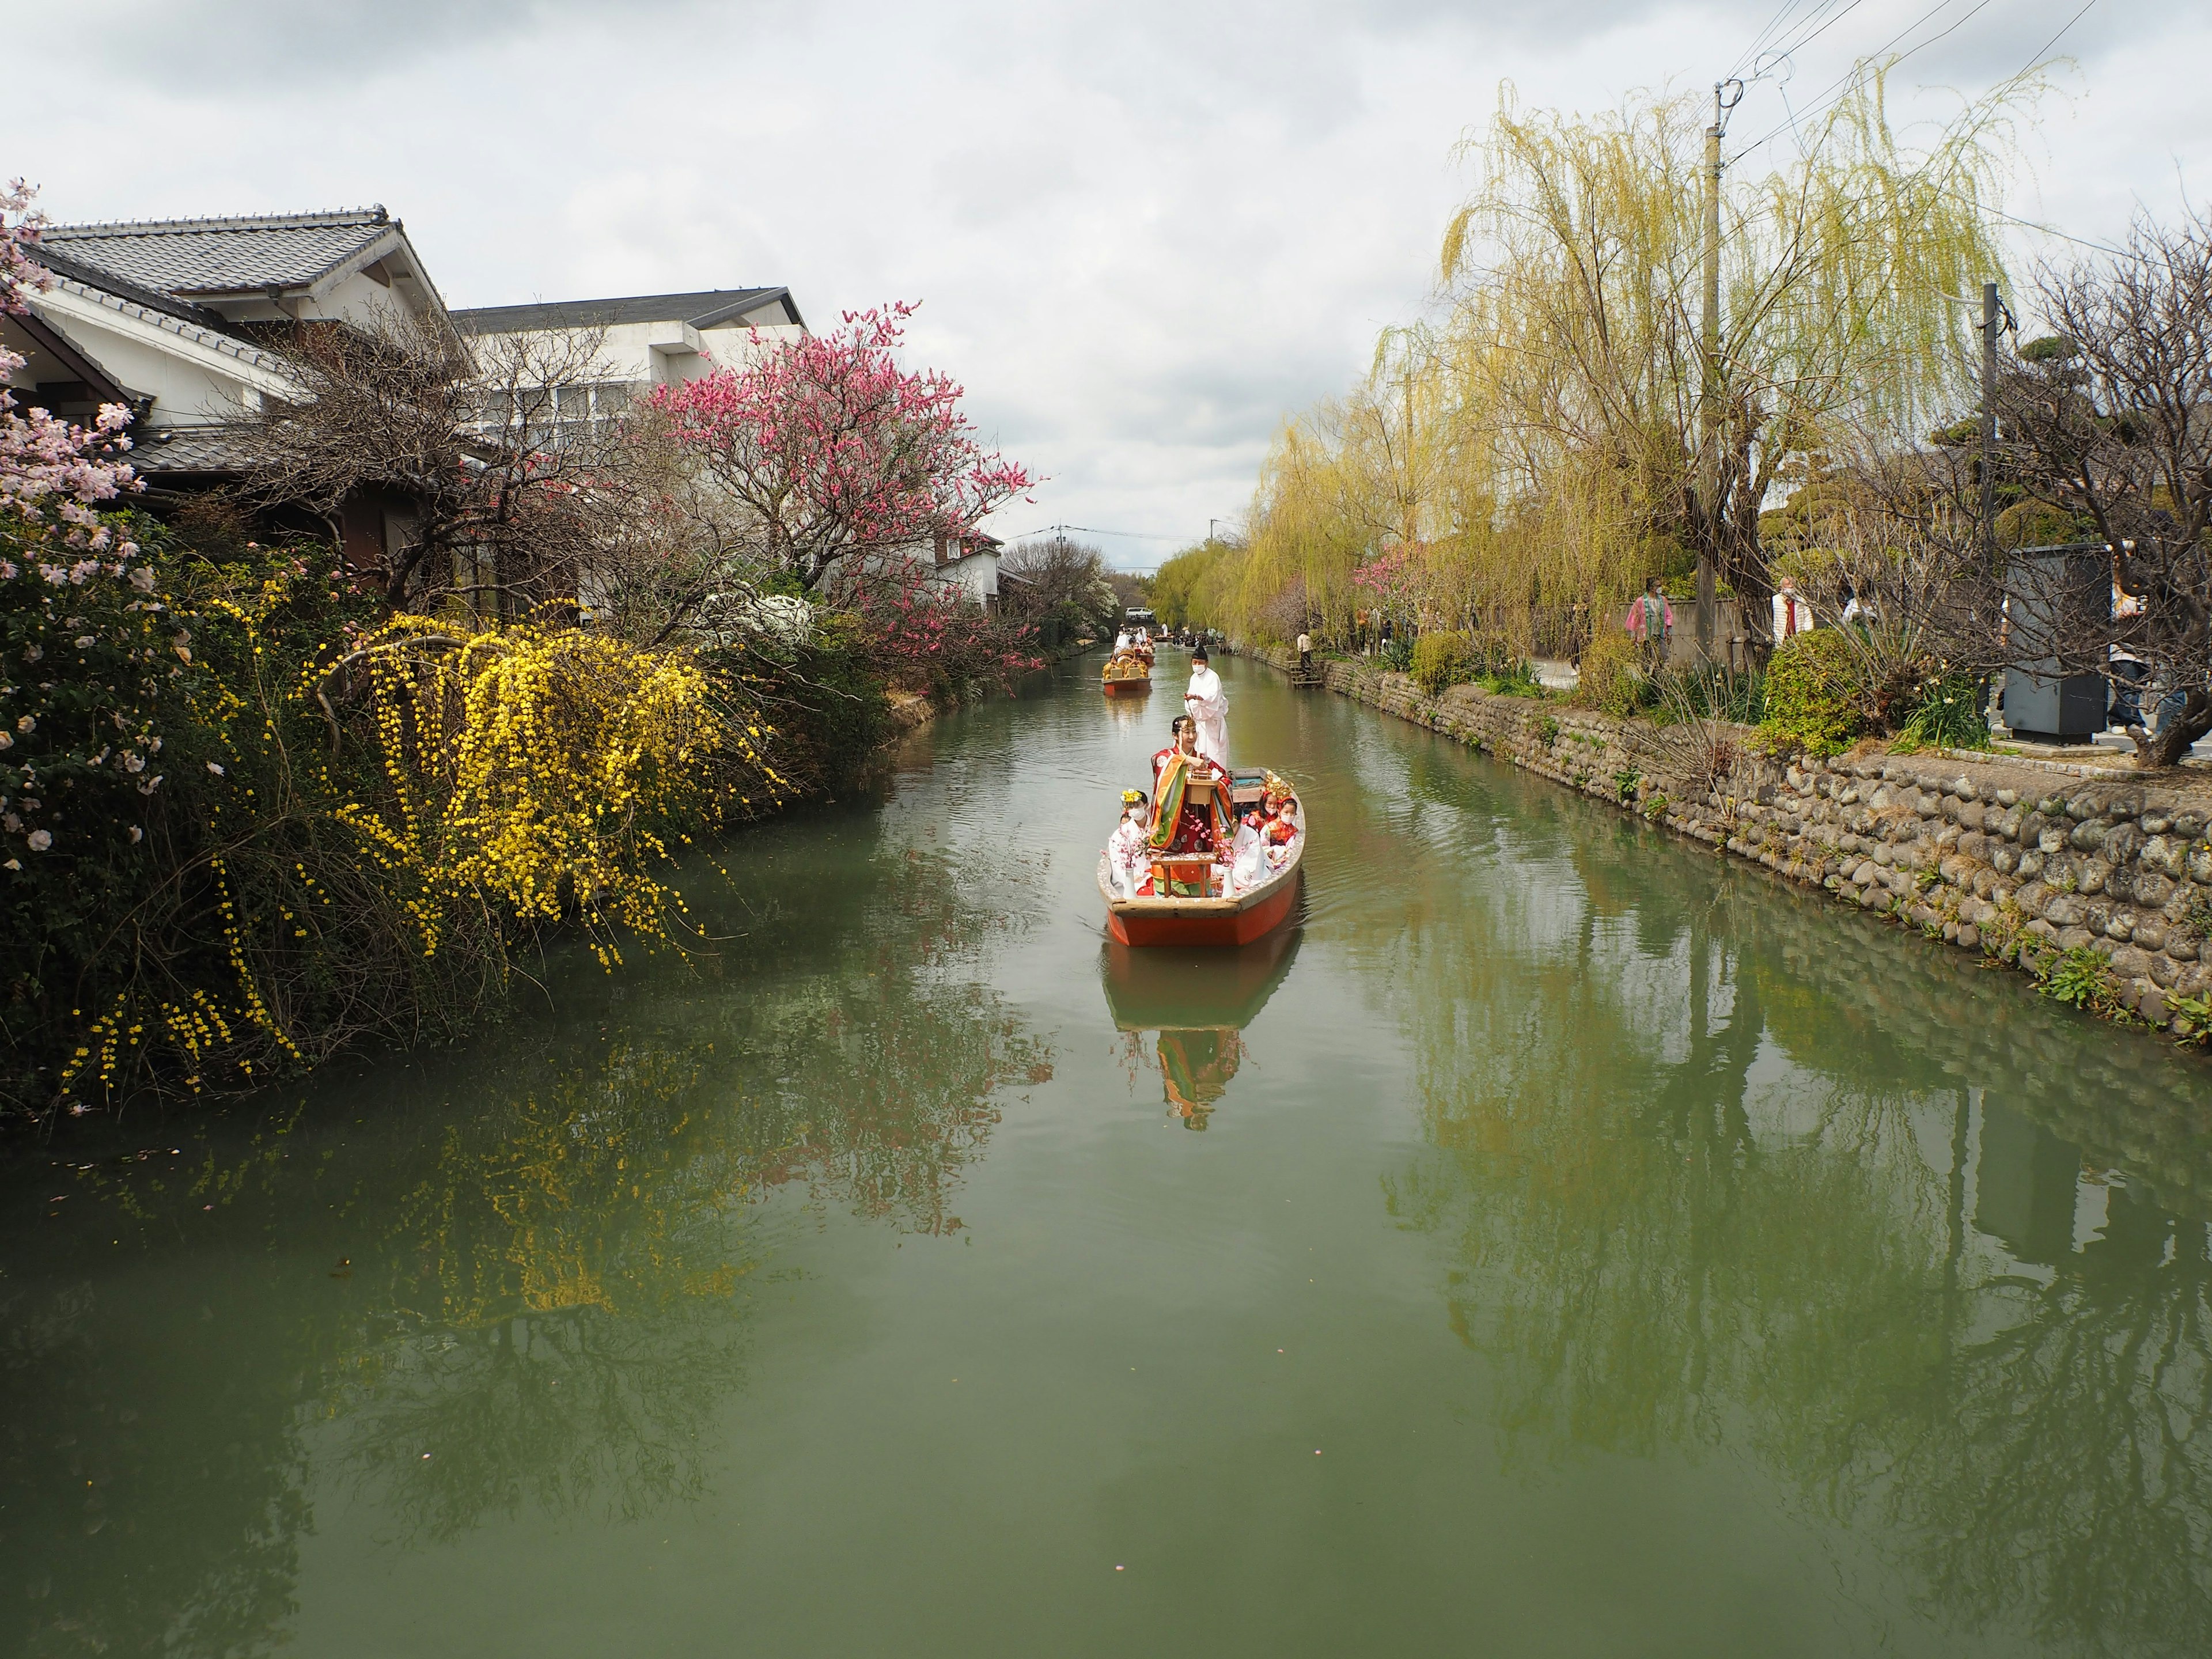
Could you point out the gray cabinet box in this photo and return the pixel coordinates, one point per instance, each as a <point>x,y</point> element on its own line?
<point>2058,606</point>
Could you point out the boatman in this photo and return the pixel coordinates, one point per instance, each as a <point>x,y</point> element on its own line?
<point>1208,704</point>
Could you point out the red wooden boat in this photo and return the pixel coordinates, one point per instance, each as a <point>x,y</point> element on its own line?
<point>1127,675</point>
<point>1230,919</point>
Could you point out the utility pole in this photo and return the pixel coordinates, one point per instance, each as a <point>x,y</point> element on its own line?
<point>1709,389</point>
<point>1990,311</point>
<point>1413,504</point>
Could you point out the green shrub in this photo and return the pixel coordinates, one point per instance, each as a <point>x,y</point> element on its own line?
<point>2082,978</point>
<point>2039,524</point>
<point>1612,680</point>
<point>1948,713</point>
<point>1811,700</point>
<point>1515,678</point>
<point>1442,659</point>
<point>1397,657</point>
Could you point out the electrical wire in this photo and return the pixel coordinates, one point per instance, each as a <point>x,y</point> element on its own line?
<point>2036,56</point>
<point>1751,53</point>
<point>1835,90</point>
<point>1088,530</point>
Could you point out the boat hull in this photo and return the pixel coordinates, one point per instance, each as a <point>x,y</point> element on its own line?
<point>1128,687</point>
<point>1167,924</point>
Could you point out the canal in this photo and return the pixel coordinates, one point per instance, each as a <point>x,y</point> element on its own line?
<point>1559,1243</point>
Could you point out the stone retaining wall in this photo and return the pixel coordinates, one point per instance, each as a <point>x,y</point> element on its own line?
<point>2013,859</point>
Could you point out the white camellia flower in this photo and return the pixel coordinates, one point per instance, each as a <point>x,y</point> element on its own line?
<point>28,723</point>
<point>38,840</point>
<point>215,767</point>
<point>7,740</point>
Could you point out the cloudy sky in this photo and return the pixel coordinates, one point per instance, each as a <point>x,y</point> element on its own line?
<point>1141,232</point>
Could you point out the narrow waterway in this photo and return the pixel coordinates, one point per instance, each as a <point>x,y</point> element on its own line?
<point>1560,1242</point>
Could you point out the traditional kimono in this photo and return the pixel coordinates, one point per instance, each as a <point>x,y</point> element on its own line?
<point>1207,704</point>
<point>1247,857</point>
<point>1124,856</point>
<point>1278,833</point>
<point>1177,826</point>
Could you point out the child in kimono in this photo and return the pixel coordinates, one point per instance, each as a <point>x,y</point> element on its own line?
<point>1127,857</point>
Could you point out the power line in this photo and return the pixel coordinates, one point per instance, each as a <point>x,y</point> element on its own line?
<point>1088,530</point>
<point>1803,41</point>
<point>1750,54</point>
<point>1836,89</point>
<point>2036,56</point>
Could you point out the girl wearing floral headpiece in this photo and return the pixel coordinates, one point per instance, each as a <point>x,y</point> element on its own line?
<point>1125,850</point>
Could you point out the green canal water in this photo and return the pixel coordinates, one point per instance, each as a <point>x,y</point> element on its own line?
<point>1559,1244</point>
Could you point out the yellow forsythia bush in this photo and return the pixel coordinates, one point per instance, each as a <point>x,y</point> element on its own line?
<point>549,772</point>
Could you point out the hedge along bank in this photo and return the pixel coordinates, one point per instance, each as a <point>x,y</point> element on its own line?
<point>2097,881</point>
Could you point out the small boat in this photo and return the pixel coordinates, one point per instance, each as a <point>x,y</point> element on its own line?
<point>1219,919</point>
<point>1127,675</point>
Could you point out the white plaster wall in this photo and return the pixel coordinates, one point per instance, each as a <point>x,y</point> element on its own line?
<point>191,383</point>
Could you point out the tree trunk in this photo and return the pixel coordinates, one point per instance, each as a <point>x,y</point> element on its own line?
<point>2190,722</point>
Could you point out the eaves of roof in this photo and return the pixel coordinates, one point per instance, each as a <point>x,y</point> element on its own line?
<point>167,317</point>
<point>704,309</point>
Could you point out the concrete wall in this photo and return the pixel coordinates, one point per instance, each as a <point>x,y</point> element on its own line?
<point>2014,860</point>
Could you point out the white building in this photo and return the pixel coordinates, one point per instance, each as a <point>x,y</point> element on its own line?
<point>647,340</point>
<point>169,316</point>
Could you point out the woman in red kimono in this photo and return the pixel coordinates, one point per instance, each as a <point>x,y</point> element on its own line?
<point>1180,826</point>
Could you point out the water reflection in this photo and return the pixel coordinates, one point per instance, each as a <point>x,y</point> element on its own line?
<point>1195,1004</point>
<point>522,1283</point>
<point>1698,1195</point>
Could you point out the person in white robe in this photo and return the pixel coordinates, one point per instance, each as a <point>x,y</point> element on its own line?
<point>1208,705</point>
<point>1247,858</point>
<point>1127,855</point>
<point>1121,641</point>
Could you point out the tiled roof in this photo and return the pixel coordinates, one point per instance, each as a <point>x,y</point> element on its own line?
<point>227,447</point>
<point>188,258</point>
<point>702,310</point>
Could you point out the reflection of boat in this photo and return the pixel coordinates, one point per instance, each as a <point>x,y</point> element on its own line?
<point>1150,990</point>
<point>1127,675</point>
<point>1219,919</point>
<point>1198,1002</point>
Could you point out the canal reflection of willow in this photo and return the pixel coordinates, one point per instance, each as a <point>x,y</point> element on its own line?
<point>544,1300</point>
<point>1656,1252</point>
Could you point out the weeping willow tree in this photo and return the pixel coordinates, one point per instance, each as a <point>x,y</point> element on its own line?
<point>1538,447</point>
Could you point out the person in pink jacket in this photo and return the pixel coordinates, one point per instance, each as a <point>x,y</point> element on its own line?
<point>1651,623</point>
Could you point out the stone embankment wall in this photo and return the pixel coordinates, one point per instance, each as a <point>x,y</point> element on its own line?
<point>2013,859</point>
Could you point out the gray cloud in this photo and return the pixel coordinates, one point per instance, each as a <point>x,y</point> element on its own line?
<point>1144,231</point>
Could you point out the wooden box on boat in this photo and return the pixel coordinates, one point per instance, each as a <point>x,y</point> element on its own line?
<point>1237,920</point>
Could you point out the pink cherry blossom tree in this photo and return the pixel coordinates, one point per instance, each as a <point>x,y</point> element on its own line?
<point>52,473</point>
<point>829,449</point>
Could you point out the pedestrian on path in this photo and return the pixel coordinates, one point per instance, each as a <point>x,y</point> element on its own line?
<point>1792,616</point>
<point>1651,623</point>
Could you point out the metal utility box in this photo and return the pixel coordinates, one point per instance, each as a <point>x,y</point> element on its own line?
<point>2058,604</point>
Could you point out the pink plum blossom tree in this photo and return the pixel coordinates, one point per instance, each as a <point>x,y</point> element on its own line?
<point>830,449</point>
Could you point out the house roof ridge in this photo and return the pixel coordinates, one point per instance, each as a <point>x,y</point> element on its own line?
<point>375,214</point>
<point>630,299</point>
